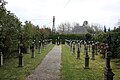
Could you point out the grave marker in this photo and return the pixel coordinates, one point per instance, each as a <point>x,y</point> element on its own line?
<point>33,50</point>
<point>86,59</point>
<point>108,71</point>
<point>78,52</point>
<point>93,51</point>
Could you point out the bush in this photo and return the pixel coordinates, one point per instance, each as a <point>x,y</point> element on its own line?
<point>114,43</point>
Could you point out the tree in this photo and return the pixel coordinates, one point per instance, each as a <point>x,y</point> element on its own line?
<point>64,28</point>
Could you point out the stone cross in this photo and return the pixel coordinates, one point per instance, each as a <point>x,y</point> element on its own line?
<point>108,74</point>
<point>33,50</point>
<point>96,48</point>
<point>78,52</point>
<point>93,51</point>
<point>73,47</point>
<point>80,43</point>
<point>86,59</point>
<point>85,47</point>
<point>1,46</point>
<point>39,51</point>
<point>20,50</point>
<point>89,46</point>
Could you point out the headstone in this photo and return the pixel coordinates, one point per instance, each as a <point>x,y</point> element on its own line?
<point>108,74</point>
<point>33,50</point>
<point>86,59</point>
<point>78,52</point>
<point>93,51</point>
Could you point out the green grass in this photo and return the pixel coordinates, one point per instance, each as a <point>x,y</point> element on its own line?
<point>11,71</point>
<point>73,69</point>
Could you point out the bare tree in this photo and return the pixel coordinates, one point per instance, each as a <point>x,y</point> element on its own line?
<point>64,28</point>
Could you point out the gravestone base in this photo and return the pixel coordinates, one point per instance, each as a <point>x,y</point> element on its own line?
<point>20,61</point>
<point>86,63</point>
<point>33,55</point>
<point>108,74</point>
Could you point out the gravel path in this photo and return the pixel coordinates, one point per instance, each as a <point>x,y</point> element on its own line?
<point>49,69</point>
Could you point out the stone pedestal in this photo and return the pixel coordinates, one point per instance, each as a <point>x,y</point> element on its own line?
<point>20,60</point>
<point>86,60</point>
<point>1,59</point>
<point>108,74</point>
<point>86,63</point>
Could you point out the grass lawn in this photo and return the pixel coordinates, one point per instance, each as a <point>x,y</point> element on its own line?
<point>11,71</point>
<point>73,69</point>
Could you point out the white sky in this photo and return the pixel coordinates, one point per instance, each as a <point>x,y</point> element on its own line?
<point>40,12</point>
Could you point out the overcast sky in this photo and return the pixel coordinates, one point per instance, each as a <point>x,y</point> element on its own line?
<point>40,12</point>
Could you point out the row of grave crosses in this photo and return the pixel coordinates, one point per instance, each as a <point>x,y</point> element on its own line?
<point>42,44</point>
<point>108,74</point>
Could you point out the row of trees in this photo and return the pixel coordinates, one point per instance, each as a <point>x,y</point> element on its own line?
<point>11,28</point>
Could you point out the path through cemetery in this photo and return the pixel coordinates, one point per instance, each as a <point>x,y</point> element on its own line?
<point>49,69</point>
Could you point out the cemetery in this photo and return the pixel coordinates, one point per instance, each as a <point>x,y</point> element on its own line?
<point>28,52</point>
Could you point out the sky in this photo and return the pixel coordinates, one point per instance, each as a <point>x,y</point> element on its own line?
<point>41,12</point>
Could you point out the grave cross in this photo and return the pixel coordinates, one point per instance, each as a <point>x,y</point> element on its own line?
<point>93,51</point>
<point>108,71</point>
<point>33,50</point>
<point>20,48</point>
<point>1,46</point>
<point>78,52</point>
<point>86,59</point>
<point>96,48</point>
<point>73,47</point>
<point>39,51</point>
